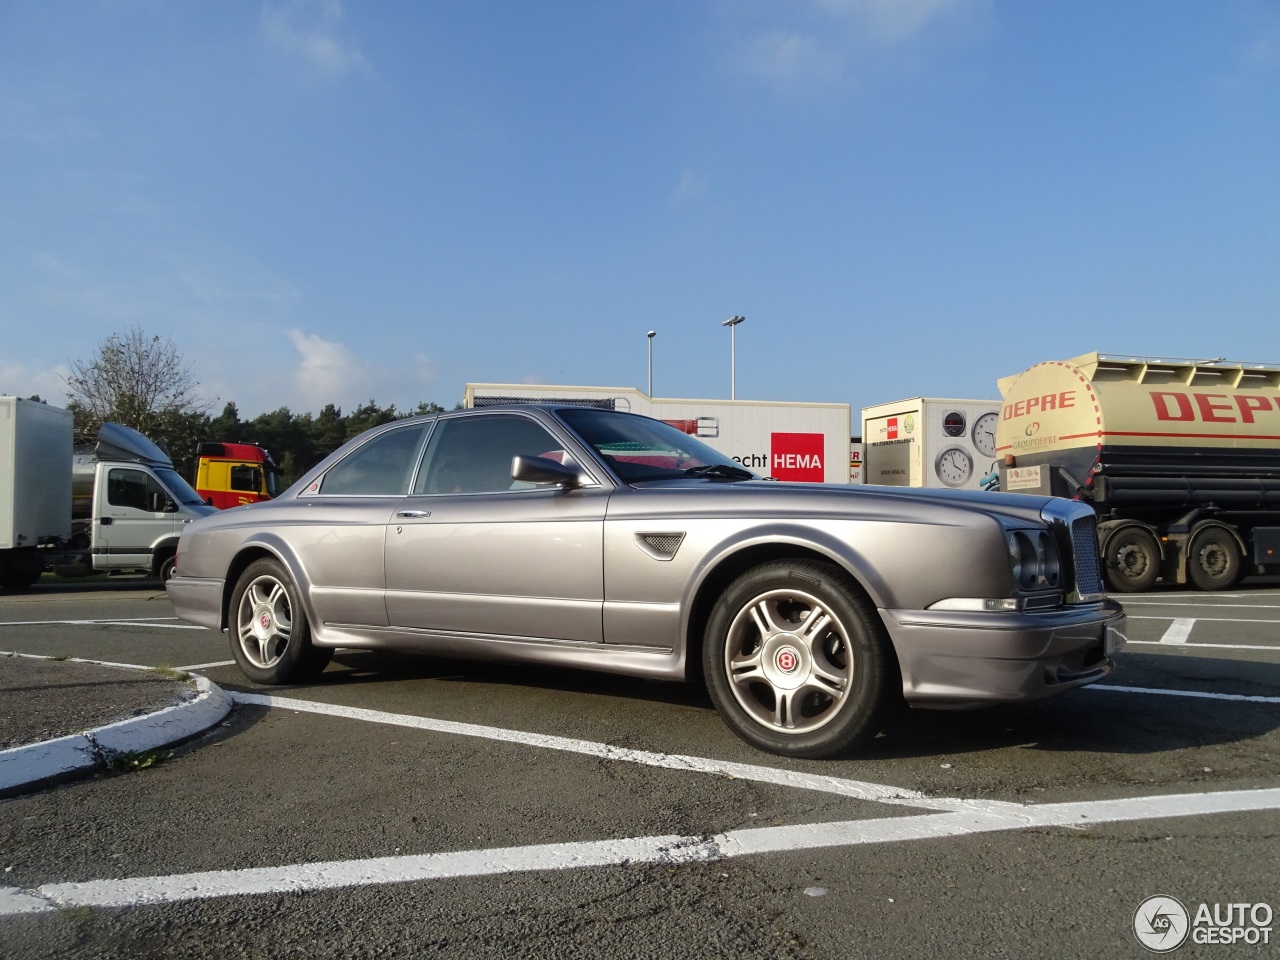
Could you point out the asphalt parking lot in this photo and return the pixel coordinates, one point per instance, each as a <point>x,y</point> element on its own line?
<point>407,806</point>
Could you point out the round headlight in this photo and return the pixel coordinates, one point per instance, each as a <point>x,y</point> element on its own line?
<point>1023,561</point>
<point>1050,569</point>
<point>1033,560</point>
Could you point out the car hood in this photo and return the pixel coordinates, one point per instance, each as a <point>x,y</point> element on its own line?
<point>843,499</point>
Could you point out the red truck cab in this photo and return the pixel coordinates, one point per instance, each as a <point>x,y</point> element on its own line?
<point>232,474</point>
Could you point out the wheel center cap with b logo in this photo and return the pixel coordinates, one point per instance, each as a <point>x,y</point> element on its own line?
<point>786,660</point>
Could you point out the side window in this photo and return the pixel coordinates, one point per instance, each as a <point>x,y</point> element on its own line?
<point>246,478</point>
<point>381,467</point>
<point>135,490</point>
<point>473,454</point>
<point>127,488</point>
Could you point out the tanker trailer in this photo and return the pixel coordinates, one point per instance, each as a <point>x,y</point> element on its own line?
<point>1179,458</point>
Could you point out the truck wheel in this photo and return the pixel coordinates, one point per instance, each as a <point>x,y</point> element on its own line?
<point>19,579</point>
<point>270,635</point>
<point>167,567</point>
<point>797,662</point>
<point>1132,560</point>
<point>1213,559</point>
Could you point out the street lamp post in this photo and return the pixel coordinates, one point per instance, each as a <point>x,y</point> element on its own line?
<point>651,334</point>
<point>731,323</point>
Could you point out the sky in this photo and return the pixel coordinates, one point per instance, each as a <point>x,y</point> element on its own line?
<point>322,202</point>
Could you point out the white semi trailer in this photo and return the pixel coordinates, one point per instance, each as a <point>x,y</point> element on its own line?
<point>799,442</point>
<point>118,507</point>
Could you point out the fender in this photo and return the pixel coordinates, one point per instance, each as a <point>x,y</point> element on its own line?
<point>272,545</point>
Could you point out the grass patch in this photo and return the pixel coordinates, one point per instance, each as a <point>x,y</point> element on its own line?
<point>138,760</point>
<point>171,674</point>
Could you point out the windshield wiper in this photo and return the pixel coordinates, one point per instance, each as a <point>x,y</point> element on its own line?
<point>720,470</point>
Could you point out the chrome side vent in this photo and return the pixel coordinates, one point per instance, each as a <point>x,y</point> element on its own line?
<point>660,546</point>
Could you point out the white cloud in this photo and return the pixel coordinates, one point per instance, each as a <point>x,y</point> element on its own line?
<point>788,55</point>
<point>17,380</point>
<point>819,43</point>
<point>893,21</point>
<point>691,186</point>
<point>309,29</point>
<point>329,372</point>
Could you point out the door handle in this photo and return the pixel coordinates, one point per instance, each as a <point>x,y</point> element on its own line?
<point>105,521</point>
<point>413,514</point>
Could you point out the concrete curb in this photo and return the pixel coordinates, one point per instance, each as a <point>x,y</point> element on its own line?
<point>37,763</point>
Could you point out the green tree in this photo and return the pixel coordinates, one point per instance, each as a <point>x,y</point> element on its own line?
<point>328,431</point>
<point>226,426</point>
<point>369,415</point>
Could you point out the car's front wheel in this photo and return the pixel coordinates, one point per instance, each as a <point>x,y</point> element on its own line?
<point>270,635</point>
<point>797,662</point>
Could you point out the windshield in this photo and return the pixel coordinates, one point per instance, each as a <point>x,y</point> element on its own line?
<point>637,448</point>
<point>177,486</point>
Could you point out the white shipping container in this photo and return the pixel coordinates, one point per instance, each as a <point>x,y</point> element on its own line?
<point>35,472</point>
<point>930,442</point>
<point>801,442</point>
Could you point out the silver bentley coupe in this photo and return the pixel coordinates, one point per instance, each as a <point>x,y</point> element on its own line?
<point>576,536</point>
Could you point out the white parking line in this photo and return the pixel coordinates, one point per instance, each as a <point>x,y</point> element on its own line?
<point>957,817</point>
<point>115,621</point>
<point>1178,631</point>
<point>1198,694</point>
<point>1273,647</point>
<point>297,878</point>
<point>206,666</point>
<point>1151,616</point>
<point>1194,596</point>
<point>1202,603</point>
<point>855,789</point>
<point>100,663</point>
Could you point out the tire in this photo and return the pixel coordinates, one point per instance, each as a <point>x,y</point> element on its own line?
<point>1213,559</point>
<point>19,579</point>
<point>797,661</point>
<point>270,634</point>
<point>1132,560</point>
<point>167,567</point>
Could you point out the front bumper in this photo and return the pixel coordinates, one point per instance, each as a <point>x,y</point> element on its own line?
<point>197,600</point>
<point>956,660</point>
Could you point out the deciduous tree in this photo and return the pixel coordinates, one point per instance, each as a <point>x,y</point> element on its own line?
<point>137,379</point>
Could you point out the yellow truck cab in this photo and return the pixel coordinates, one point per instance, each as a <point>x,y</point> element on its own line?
<point>233,474</point>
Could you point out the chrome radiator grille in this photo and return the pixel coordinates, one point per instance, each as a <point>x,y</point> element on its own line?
<point>1084,549</point>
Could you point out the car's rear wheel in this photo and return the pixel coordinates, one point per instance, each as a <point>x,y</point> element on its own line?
<point>270,635</point>
<point>797,662</point>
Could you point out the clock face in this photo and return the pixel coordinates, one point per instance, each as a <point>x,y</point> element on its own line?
<point>954,466</point>
<point>984,434</point>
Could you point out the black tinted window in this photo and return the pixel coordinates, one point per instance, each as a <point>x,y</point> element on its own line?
<point>473,454</point>
<point>381,467</point>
